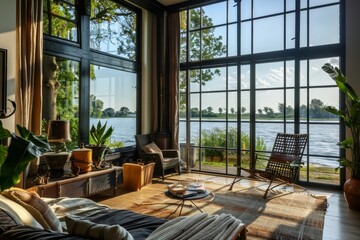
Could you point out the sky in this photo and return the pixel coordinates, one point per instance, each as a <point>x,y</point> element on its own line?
<point>268,35</point>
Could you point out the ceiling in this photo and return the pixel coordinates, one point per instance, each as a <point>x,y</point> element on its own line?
<point>170,2</point>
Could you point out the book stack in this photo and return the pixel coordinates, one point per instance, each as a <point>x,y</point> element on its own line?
<point>179,190</point>
<point>197,187</point>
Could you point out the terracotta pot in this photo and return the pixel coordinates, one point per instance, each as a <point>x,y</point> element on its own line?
<point>352,193</point>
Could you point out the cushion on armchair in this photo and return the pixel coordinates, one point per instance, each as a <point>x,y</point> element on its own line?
<point>151,148</point>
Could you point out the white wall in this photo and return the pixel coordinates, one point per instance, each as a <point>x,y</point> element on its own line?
<point>8,41</point>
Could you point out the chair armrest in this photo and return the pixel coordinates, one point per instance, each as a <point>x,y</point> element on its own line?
<point>171,153</point>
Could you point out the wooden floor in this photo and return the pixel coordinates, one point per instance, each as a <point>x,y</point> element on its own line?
<point>340,221</point>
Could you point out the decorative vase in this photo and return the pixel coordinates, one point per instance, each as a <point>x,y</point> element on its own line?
<point>352,193</point>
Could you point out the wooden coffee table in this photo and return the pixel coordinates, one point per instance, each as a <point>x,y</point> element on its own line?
<point>190,198</point>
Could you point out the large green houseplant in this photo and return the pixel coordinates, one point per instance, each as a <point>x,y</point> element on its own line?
<point>99,137</point>
<point>15,157</point>
<point>351,117</point>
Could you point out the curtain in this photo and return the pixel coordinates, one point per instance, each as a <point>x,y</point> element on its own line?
<point>28,86</point>
<point>174,68</point>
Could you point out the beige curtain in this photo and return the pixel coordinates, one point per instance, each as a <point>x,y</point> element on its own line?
<point>174,68</point>
<point>29,59</point>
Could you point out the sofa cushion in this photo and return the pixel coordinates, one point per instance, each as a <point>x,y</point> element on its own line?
<point>36,207</point>
<point>85,228</point>
<point>19,213</point>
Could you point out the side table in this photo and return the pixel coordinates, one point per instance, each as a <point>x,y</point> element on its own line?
<point>190,198</point>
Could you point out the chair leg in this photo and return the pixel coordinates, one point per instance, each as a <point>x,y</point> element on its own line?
<point>238,171</point>
<point>179,169</point>
<point>268,188</point>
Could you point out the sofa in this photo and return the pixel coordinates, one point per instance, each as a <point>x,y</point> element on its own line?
<point>24,215</point>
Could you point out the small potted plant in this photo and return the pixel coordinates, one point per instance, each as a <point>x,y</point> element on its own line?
<point>99,137</point>
<point>351,117</point>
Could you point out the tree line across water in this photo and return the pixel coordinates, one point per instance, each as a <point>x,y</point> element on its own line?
<point>316,110</point>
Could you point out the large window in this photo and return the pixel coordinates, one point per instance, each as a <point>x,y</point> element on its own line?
<point>254,71</point>
<point>90,67</point>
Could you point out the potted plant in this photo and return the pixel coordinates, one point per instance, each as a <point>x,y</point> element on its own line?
<point>15,157</point>
<point>99,137</point>
<point>351,117</point>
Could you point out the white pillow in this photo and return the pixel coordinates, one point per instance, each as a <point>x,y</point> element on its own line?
<point>19,213</point>
<point>151,148</point>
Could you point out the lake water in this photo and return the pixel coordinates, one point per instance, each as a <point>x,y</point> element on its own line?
<point>322,137</point>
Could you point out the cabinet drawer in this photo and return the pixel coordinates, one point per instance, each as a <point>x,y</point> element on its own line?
<point>74,189</point>
<point>101,183</point>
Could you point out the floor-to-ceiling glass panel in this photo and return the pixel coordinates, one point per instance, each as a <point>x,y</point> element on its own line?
<point>209,50</point>
<point>213,79</point>
<point>113,29</point>
<point>195,106</point>
<point>213,105</point>
<point>212,12</point>
<point>246,37</point>
<point>232,106</point>
<point>267,105</point>
<point>270,75</point>
<point>272,7</point>
<point>268,34</point>
<point>232,41</point>
<point>232,11</point>
<point>290,31</point>
<point>113,101</point>
<point>318,28</point>
<point>194,46</point>
<point>194,18</point>
<point>194,80</point>
<point>232,78</point>
<point>245,8</point>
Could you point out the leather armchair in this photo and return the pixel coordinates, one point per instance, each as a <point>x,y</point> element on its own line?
<point>164,159</point>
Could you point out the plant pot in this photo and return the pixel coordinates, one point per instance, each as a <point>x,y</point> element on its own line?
<point>98,154</point>
<point>352,193</point>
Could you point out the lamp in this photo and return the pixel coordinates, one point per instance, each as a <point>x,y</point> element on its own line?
<point>58,135</point>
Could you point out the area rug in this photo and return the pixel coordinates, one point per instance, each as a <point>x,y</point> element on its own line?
<point>288,215</point>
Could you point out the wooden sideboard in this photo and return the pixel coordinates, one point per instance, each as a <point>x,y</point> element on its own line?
<point>84,185</point>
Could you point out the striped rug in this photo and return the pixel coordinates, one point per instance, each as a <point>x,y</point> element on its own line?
<point>288,215</point>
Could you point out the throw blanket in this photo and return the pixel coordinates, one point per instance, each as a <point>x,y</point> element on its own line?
<point>199,226</point>
<point>80,207</point>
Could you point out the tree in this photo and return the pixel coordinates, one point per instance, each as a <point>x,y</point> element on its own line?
<point>124,111</point>
<point>289,111</point>
<point>316,108</point>
<point>281,107</point>
<point>220,110</point>
<point>211,47</point>
<point>109,112</point>
<point>303,111</point>
<point>96,107</point>
<point>110,23</point>
<point>243,110</point>
<point>209,109</point>
<point>232,110</point>
<point>260,111</point>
